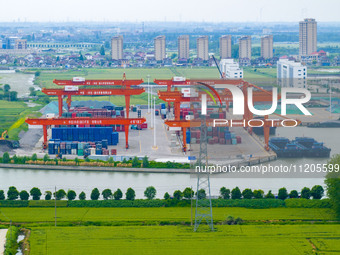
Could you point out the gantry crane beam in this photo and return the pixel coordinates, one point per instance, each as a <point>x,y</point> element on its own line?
<point>98,82</point>
<point>86,121</point>
<point>127,92</point>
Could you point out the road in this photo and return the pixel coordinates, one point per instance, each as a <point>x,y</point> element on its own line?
<point>3,233</point>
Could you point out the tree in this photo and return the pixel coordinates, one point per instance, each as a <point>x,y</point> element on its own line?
<point>317,192</point>
<point>13,95</point>
<point>130,194</point>
<point>333,184</point>
<point>258,193</point>
<point>236,193</point>
<point>34,157</point>
<point>293,194</point>
<point>77,161</point>
<point>188,193</point>
<point>135,162</point>
<point>81,58</point>
<point>48,195</point>
<point>102,50</point>
<point>60,194</point>
<point>6,158</point>
<point>118,194</point>
<point>178,195</point>
<point>150,192</point>
<point>283,194</point>
<point>35,193</point>
<point>71,195</point>
<point>146,162</point>
<point>2,195</point>
<point>32,91</point>
<point>247,194</point>
<point>82,196</point>
<point>12,193</point>
<point>225,193</point>
<point>95,194</point>
<point>7,88</point>
<point>201,194</point>
<point>24,195</point>
<point>305,193</point>
<point>88,160</point>
<point>46,158</point>
<point>166,196</point>
<point>269,194</point>
<point>106,193</point>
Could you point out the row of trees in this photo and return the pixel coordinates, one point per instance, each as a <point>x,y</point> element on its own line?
<point>150,193</point>
<point>7,94</point>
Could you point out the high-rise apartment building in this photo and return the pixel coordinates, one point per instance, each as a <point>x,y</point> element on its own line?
<point>203,47</point>
<point>117,47</point>
<point>245,47</point>
<point>267,46</point>
<point>183,47</point>
<point>160,52</point>
<point>307,37</point>
<point>225,46</point>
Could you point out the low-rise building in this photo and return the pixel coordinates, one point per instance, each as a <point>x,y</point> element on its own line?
<point>291,74</point>
<point>231,69</point>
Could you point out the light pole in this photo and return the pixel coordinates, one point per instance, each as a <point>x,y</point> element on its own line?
<point>148,76</point>
<point>154,119</point>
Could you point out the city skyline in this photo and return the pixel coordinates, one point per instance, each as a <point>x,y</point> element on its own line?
<point>259,11</point>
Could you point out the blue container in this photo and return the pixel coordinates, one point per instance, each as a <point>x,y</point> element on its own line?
<point>188,136</point>
<point>162,106</point>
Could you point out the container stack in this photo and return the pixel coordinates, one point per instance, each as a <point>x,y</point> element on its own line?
<point>215,135</point>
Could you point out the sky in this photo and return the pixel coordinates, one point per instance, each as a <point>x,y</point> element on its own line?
<point>169,10</point>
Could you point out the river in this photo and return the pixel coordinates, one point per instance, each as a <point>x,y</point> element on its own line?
<point>19,82</point>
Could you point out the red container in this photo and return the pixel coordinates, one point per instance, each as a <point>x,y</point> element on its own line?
<point>210,133</point>
<point>221,141</point>
<point>211,141</point>
<point>114,152</point>
<point>144,125</point>
<point>198,141</point>
<point>118,128</point>
<point>215,139</point>
<point>238,139</point>
<point>221,135</point>
<point>228,141</point>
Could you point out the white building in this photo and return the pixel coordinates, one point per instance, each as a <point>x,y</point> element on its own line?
<point>231,69</point>
<point>291,74</point>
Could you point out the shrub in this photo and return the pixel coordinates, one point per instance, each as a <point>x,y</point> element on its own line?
<point>12,193</point>
<point>247,194</point>
<point>135,162</point>
<point>236,193</point>
<point>188,193</point>
<point>317,192</point>
<point>305,193</point>
<point>248,203</point>
<point>258,193</point>
<point>82,196</point>
<point>225,193</point>
<point>146,163</point>
<point>178,194</point>
<point>270,195</point>
<point>293,194</point>
<point>5,158</point>
<point>11,240</point>
<point>60,194</point>
<point>71,195</point>
<point>47,203</point>
<point>283,194</point>
<point>106,193</point>
<point>24,195</point>
<point>118,194</point>
<point>2,195</point>
<point>34,157</point>
<point>35,193</point>
<point>166,195</point>
<point>150,192</point>
<point>46,158</point>
<point>95,194</point>
<point>333,185</point>
<point>307,203</point>
<point>231,221</point>
<point>130,194</point>
<point>48,195</point>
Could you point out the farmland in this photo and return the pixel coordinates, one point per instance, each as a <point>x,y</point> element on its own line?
<point>247,239</point>
<point>156,215</point>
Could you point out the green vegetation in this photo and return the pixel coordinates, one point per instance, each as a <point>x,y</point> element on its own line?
<point>333,186</point>
<point>11,241</point>
<point>171,239</point>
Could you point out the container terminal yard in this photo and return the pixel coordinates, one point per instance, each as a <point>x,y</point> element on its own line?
<point>167,132</point>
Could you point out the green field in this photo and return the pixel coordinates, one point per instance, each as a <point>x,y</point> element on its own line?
<point>269,239</point>
<point>154,215</point>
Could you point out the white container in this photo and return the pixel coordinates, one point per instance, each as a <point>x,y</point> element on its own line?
<point>50,115</point>
<point>71,88</point>
<point>189,117</point>
<point>78,79</point>
<point>178,78</point>
<point>93,151</point>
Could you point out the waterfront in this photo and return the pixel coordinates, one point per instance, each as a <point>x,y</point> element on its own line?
<point>19,82</point>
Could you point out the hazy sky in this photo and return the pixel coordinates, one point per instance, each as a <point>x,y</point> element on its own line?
<point>170,10</point>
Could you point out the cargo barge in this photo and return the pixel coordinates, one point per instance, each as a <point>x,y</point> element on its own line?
<point>298,148</point>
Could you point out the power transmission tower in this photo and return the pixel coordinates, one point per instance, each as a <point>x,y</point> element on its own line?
<point>203,205</point>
